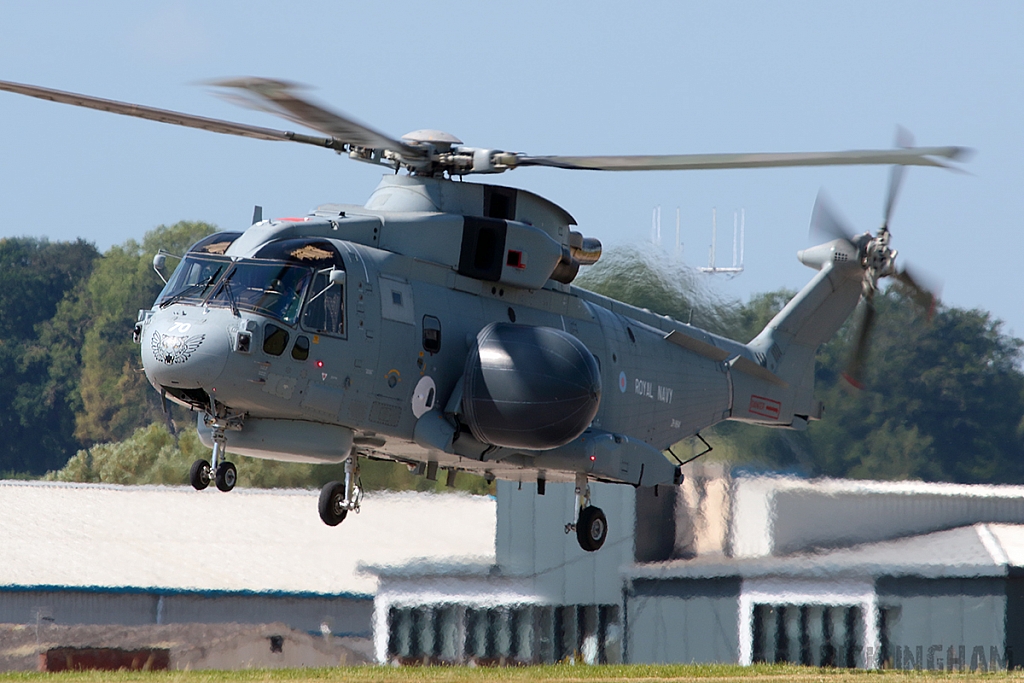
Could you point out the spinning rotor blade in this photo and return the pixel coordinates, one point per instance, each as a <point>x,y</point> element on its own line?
<point>280,98</point>
<point>855,370</point>
<point>923,290</point>
<point>919,156</point>
<point>439,153</point>
<point>904,139</point>
<point>164,115</point>
<point>826,220</point>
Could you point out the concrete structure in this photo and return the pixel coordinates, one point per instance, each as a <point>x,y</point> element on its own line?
<point>543,600</point>
<point>93,554</point>
<point>840,573</point>
<point>721,569</point>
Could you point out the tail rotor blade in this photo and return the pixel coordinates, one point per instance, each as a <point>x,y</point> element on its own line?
<point>855,370</point>
<point>825,220</point>
<point>923,290</point>
<point>904,139</point>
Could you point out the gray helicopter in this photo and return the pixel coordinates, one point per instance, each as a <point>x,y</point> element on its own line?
<point>437,325</point>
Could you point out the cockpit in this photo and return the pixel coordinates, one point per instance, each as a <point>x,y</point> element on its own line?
<point>274,283</point>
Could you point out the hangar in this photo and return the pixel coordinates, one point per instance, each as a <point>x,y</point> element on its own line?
<point>102,554</point>
<point>728,567</point>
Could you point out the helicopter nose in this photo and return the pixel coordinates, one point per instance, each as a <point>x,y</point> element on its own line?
<point>184,355</point>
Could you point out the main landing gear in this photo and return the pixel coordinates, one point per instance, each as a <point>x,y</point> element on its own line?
<point>337,499</point>
<point>591,526</point>
<point>221,472</point>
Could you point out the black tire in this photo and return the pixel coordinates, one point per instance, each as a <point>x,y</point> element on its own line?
<point>199,475</point>
<point>332,496</point>
<point>226,477</point>
<point>591,529</point>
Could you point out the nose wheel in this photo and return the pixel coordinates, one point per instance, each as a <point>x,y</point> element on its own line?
<point>591,526</point>
<point>222,473</point>
<point>337,498</point>
<point>199,475</point>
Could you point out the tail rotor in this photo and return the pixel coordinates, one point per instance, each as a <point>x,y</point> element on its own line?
<point>878,260</point>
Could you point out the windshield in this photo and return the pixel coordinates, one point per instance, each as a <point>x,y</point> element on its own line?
<point>270,288</point>
<point>194,278</point>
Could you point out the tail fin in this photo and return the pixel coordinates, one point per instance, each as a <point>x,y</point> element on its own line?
<point>787,346</point>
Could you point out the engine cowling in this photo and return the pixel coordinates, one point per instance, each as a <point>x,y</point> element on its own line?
<point>529,387</point>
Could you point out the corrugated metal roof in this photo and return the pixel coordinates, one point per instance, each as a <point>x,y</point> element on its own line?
<point>90,536</point>
<point>964,552</point>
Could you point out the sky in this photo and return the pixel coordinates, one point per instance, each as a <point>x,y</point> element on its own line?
<point>567,78</point>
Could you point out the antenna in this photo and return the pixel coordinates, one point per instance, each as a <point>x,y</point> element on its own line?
<point>656,226</point>
<point>738,227</point>
<point>679,246</point>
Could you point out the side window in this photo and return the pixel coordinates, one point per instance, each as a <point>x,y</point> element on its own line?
<point>301,349</point>
<point>431,334</point>
<point>325,310</point>
<point>275,340</point>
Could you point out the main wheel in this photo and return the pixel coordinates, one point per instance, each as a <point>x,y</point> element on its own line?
<point>226,476</point>
<point>591,528</point>
<point>332,503</point>
<point>199,475</point>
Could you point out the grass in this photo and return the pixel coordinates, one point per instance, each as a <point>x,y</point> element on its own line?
<point>542,674</point>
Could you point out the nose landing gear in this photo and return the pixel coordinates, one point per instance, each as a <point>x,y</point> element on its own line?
<point>337,499</point>
<point>591,526</point>
<point>222,473</point>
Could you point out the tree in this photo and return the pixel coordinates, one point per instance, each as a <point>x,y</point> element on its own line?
<point>36,412</point>
<point>152,455</point>
<point>116,397</point>
<point>646,279</point>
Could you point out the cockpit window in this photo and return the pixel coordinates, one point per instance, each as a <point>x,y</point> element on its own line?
<point>269,288</point>
<point>216,243</point>
<point>194,278</point>
<point>325,310</point>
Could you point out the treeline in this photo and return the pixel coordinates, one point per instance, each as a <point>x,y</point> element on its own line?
<point>944,399</point>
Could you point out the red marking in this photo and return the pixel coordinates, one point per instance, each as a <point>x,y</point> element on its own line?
<point>765,407</point>
<point>293,219</point>
<point>853,383</point>
<point>515,259</point>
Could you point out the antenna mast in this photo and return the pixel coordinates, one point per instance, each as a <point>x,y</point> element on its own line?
<point>738,225</point>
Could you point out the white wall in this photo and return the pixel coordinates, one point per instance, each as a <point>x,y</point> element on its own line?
<point>531,542</point>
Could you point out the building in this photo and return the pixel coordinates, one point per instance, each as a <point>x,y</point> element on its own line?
<point>724,568</point>
<point>74,554</point>
<point>740,570</point>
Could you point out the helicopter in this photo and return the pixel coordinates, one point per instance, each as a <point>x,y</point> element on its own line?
<point>437,325</point>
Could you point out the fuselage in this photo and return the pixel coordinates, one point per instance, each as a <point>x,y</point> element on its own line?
<point>255,326</point>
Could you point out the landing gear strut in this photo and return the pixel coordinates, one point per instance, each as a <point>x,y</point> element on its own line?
<point>220,472</point>
<point>591,526</point>
<point>337,499</point>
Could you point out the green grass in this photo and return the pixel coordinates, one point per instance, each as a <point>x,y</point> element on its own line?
<point>554,674</point>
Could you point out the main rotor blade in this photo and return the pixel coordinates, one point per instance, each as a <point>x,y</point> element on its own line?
<point>917,156</point>
<point>280,98</point>
<point>826,220</point>
<point>165,115</point>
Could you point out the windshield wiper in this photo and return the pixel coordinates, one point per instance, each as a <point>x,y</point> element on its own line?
<point>225,287</point>
<point>180,295</point>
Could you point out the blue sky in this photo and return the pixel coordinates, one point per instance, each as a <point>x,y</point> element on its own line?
<point>543,78</point>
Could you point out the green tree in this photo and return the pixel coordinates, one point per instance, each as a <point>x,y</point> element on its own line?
<point>116,398</point>
<point>152,455</point>
<point>36,413</point>
<point>944,401</point>
<point>647,279</point>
